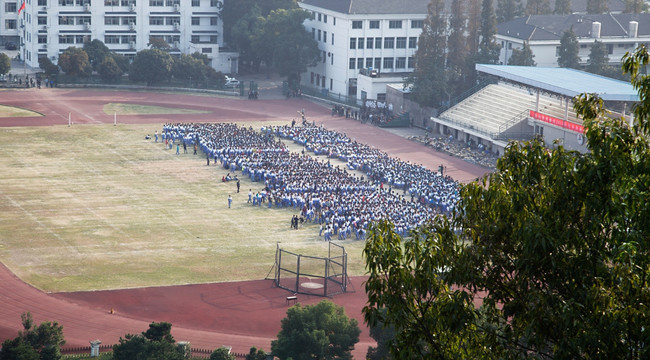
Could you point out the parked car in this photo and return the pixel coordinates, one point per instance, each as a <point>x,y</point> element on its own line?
<point>231,82</point>
<point>10,45</point>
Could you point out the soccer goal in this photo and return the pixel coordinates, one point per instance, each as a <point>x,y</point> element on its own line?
<point>313,275</point>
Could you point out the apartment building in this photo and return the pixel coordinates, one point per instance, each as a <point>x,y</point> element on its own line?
<point>47,27</point>
<point>369,38</point>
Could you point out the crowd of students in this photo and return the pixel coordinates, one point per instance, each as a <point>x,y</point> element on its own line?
<point>342,202</point>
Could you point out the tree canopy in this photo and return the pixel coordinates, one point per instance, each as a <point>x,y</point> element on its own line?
<point>569,48</point>
<point>96,51</point>
<point>552,248</point>
<point>522,57</point>
<point>151,66</point>
<point>74,62</point>
<point>222,353</point>
<point>320,331</point>
<point>488,49</point>
<point>155,343</point>
<point>430,76</point>
<point>5,63</point>
<point>42,342</point>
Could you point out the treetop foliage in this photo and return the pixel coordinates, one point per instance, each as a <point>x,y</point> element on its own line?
<point>546,258</point>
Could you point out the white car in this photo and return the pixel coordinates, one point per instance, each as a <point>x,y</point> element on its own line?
<point>231,82</point>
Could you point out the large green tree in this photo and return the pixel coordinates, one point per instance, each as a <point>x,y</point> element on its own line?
<point>598,62</point>
<point>96,51</point>
<point>553,246</point>
<point>109,70</point>
<point>508,10</point>
<point>430,77</point>
<point>151,66</point>
<point>245,34</point>
<point>189,68</point>
<point>47,66</point>
<point>234,11</point>
<point>569,48</point>
<point>42,342</point>
<point>320,331</point>
<point>293,49</point>
<point>74,62</point>
<point>458,71</point>
<point>5,63</point>
<point>522,57</point>
<point>488,49</point>
<point>155,343</point>
<point>222,353</point>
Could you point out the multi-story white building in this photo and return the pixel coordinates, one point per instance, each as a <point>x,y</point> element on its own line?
<point>619,32</point>
<point>362,36</point>
<point>48,27</point>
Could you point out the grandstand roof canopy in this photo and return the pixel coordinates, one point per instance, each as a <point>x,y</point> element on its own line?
<point>563,81</point>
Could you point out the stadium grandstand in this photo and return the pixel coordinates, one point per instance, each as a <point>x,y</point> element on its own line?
<point>521,102</point>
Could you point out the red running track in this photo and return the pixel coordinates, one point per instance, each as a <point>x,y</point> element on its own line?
<point>237,314</point>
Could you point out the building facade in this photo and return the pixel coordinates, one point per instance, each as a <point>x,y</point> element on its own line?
<point>372,37</point>
<point>619,32</point>
<point>47,27</point>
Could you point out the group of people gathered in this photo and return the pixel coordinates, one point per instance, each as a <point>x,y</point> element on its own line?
<point>342,202</point>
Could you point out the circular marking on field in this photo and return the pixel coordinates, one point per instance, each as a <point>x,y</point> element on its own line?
<point>311,285</point>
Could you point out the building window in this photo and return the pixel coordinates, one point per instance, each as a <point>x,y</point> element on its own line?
<point>42,20</point>
<point>395,24</point>
<point>411,62</point>
<point>42,2</point>
<point>360,63</point>
<point>312,78</point>
<point>196,21</point>
<point>214,20</point>
<point>156,20</point>
<point>353,61</point>
<point>388,63</point>
<point>400,63</point>
<point>319,35</point>
<point>610,49</point>
<point>377,63</point>
<point>325,18</point>
<point>368,62</point>
<point>195,39</point>
<point>128,20</point>
<point>313,33</point>
<point>356,24</point>
<point>111,39</point>
<point>353,43</point>
<point>324,56</point>
<point>417,24</point>
<point>378,43</point>
<point>369,43</point>
<point>111,20</point>
<point>413,42</point>
<point>42,39</point>
<point>373,24</point>
<point>156,3</point>
<point>332,38</point>
<point>214,3</point>
<point>400,43</point>
<point>196,3</point>
<point>11,7</point>
<point>334,21</point>
<point>360,43</point>
<point>320,17</point>
<point>389,43</point>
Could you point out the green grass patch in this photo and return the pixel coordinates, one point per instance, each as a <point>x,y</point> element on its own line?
<point>134,109</point>
<point>12,111</point>
<point>99,207</point>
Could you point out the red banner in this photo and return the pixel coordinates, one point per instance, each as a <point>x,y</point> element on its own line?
<point>557,122</point>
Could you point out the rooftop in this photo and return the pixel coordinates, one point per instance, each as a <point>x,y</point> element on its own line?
<point>563,81</point>
<point>551,27</point>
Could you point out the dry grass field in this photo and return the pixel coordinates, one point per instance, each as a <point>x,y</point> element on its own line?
<point>99,207</point>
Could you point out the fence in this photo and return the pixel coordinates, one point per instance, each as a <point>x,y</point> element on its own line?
<point>84,352</point>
